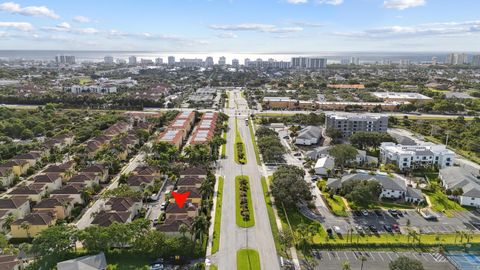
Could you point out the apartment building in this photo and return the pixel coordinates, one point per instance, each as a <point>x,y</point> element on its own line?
<point>408,157</point>
<point>348,124</point>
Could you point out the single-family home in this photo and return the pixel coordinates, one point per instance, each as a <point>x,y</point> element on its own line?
<point>200,172</point>
<point>91,262</point>
<point>172,225</point>
<point>325,166</point>
<point>189,182</point>
<point>31,225</point>
<point>6,177</point>
<point>27,192</point>
<point>62,207</point>
<point>10,262</point>
<point>98,170</point>
<point>465,178</point>
<point>52,181</point>
<point>69,191</point>
<point>18,167</point>
<point>188,209</point>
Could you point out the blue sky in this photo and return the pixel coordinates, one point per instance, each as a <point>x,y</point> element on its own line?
<point>263,26</point>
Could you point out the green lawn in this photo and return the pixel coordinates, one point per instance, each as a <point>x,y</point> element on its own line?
<point>218,217</point>
<point>295,218</point>
<point>240,222</point>
<point>271,217</point>
<point>336,205</point>
<point>213,267</point>
<point>121,261</point>
<point>248,259</point>
<point>238,139</point>
<point>255,146</point>
<point>441,203</point>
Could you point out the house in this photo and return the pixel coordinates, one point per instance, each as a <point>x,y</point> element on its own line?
<point>52,181</point>
<point>200,172</point>
<point>105,219</point>
<point>195,195</point>
<point>31,157</point>
<point>172,136</point>
<point>146,170</point>
<point>465,178</point>
<point>18,167</point>
<point>189,182</point>
<point>88,180</point>
<point>27,192</point>
<point>60,141</point>
<point>64,169</point>
<point>139,182</point>
<point>98,170</point>
<point>172,225</point>
<point>188,209</point>
<point>18,207</point>
<point>62,207</point>
<point>10,262</point>
<point>92,262</point>
<point>325,165</point>
<point>31,225</point>
<point>323,151</point>
<point>393,187</point>
<point>6,176</point>
<point>310,135</point>
<point>131,205</point>
<point>69,191</point>
<point>407,157</point>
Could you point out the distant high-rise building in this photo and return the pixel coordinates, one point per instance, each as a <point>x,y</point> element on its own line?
<point>309,63</point>
<point>476,60</point>
<point>132,60</point>
<point>235,62</point>
<point>209,61</point>
<point>158,61</point>
<point>354,61</point>
<point>405,62</point>
<point>434,60</point>
<point>386,62</point>
<point>121,61</point>
<point>144,61</point>
<point>65,59</point>
<point>108,60</point>
<point>171,60</point>
<point>222,61</point>
<point>344,61</point>
<point>184,62</point>
<point>457,59</point>
<point>247,62</point>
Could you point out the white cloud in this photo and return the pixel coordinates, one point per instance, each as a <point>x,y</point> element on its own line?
<point>403,4</point>
<point>87,31</point>
<point>15,8</point>
<point>307,24</point>
<point>227,35</point>
<point>296,2</point>
<point>82,19</point>
<point>422,30</point>
<point>22,26</point>
<point>330,2</point>
<point>61,27</point>
<point>265,28</point>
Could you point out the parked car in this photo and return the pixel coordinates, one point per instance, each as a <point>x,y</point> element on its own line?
<point>396,228</point>
<point>393,212</point>
<point>297,154</point>
<point>388,228</point>
<point>314,178</point>
<point>155,221</point>
<point>400,213</point>
<point>337,229</point>
<point>365,212</point>
<point>359,229</point>
<point>163,206</point>
<point>373,229</point>
<point>330,232</point>
<point>378,212</point>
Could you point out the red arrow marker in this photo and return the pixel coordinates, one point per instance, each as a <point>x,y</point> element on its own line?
<point>180,198</point>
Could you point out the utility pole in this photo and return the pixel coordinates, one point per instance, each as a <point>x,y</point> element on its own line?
<point>446,141</point>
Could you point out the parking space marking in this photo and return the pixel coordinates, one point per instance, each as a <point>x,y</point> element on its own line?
<point>329,257</point>
<point>380,256</point>
<point>388,254</point>
<point>414,256</point>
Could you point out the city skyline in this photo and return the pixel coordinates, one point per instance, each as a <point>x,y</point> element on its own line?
<point>241,26</point>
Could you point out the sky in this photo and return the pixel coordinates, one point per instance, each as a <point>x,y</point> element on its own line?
<point>242,26</point>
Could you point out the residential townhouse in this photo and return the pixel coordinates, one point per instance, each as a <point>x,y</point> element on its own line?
<point>18,167</point>
<point>98,170</point>
<point>51,181</point>
<point>61,207</point>
<point>27,192</point>
<point>11,262</point>
<point>465,178</point>
<point>14,207</point>
<point>60,141</point>
<point>310,135</point>
<point>407,157</point>
<point>71,191</point>
<point>6,177</point>
<point>140,182</point>
<point>31,157</point>
<point>200,172</point>
<point>65,170</point>
<point>120,210</point>
<point>174,137</point>
<point>189,182</point>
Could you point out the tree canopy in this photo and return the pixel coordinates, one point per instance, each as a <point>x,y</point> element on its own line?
<point>289,187</point>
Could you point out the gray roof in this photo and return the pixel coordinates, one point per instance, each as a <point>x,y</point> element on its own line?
<point>95,262</point>
<point>465,178</point>
<point>414,193</point>
<point>387,182</point>
<point>310,132</point>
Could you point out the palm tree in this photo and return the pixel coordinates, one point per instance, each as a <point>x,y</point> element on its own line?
<point>183,229</point>
<point>8,221</point>
<point>346,265</point>
<point>199,227</point>
<point>207,188</point>
<point>26,226</point>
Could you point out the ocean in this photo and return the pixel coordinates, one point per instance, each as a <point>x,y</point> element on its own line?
<point>97,56</point>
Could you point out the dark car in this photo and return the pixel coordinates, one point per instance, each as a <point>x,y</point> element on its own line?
<point>378,212</point>
<point>393,212</point>
<point>388,228</point>
<point>330,232</point>
<point>372,228</point>
<point>400,213</point>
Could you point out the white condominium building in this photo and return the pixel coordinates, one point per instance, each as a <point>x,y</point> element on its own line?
<point>414,156</point>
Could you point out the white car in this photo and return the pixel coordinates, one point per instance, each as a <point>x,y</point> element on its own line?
<point>337,229</point>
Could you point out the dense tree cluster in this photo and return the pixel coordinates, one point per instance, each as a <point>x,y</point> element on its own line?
<point>289,187</point>
<point>364,140</point>
<point>361,193</point>
<point>270,145</point>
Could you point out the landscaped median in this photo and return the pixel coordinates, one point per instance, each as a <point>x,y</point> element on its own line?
<point>218,217</point>
<point>224,146</point>
<point>239,149</point>
<point>271,217</point>
<point>243,202</point>
<point>248,259</point>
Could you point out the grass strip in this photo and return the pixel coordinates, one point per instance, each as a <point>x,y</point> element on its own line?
<point>248,259</point>
<point>255,146</point>
<point>218,217</point>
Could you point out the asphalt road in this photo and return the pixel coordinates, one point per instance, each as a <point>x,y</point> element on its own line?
<point>232,237</point>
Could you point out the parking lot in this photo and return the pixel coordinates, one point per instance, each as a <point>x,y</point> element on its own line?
<point>377,260</point>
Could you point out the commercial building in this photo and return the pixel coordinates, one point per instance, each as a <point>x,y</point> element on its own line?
<point>196,62</point>
<point>401,97</point>
<point>235,63</point>
<point>209,61</point>
<point>348,124</point>
<point>407,157</point>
